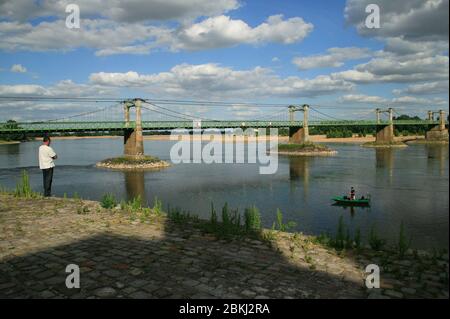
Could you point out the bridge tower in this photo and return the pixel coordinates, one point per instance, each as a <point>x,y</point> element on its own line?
<point>133,138</point>
<point>385,131</point>
<point>437,132</point>
<point>298,134</point>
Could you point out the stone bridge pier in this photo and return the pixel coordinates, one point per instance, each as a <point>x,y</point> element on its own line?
<point>384,132</point>
<point>133,138</point>
<point>438,132</point>
<point>299,134</point>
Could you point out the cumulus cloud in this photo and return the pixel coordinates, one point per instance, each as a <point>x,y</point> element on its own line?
<point>214,80</point>
<point>18,68</point>
<point>118,10</point>
<point>222,31</point>
<point>361,98</point>
<point>402,101</point>
<point>65,88</point>
<point>110,37</point>
<point>399,69</point>
<point>412,19</point>
<point>399,46</point>
<point>440,87</point>
<point>334,58</point>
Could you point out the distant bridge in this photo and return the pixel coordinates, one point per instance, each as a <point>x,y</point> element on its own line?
<point>99,126</point>
<point>133,130</point>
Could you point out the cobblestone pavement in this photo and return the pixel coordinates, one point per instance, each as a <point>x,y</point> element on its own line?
<point>123,258</point>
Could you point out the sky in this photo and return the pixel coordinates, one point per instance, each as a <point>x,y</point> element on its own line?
<point>320,53</point>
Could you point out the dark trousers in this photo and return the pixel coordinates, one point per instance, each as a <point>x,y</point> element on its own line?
<point>48,177</point>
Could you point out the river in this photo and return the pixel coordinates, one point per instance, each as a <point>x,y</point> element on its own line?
<point>408,185</point>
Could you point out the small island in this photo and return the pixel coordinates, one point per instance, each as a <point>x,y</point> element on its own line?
<point>393,144</point>
<point>304,149</point>
<point>133,162</point>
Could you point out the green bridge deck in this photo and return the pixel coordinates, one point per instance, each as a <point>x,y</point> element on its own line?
<point>55,127</point>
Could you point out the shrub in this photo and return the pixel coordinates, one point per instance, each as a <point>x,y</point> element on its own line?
<point>252,219</point>
<point>108,201</point>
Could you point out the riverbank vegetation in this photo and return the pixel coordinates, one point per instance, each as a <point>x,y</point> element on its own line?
<point>230,222</point>
<point>406,272</point>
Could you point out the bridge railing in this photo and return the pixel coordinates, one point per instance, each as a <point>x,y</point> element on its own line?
<point>6,128</point>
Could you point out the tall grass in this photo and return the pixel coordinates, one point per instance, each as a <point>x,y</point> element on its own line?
<point>252,220</point>
<point>157,206</point>
<point>280,225</point>
<point>23,188</point>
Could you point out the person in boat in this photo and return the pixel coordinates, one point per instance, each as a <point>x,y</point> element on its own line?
<point>352,194</point>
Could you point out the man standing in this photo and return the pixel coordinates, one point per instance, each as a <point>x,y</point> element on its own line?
<point>46,157</point>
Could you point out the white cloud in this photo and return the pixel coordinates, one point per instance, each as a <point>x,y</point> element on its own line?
<point>109,37</point>
<point>439,87</point>
<point>18,68</point>
<point>399,69</point>
<point>412,19</point>
<point>65,88</point>
<point>222,31</point>
<point>401,46</point>
<point>334,58</point>
<point>119,10</point>
<point>361,98</point>
<point>187,80</point>
<point>403,101</point>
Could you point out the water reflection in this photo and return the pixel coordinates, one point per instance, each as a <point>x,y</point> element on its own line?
<point>299,170</point>
<point>437,157</point>
<point>135,185</point>
<point>410,185</point>
<point>384,162</point>
<point>9,149</point>
<point>352,209</point>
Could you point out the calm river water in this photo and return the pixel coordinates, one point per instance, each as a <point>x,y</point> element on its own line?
<point>409,185</point>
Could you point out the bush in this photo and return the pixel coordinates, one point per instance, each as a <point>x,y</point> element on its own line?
<point>252,219</point>
<point>108,201</point>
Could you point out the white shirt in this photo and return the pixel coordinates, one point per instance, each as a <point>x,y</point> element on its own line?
<point>46,154</point>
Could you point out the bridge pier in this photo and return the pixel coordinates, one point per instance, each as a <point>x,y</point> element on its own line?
<point>438,132</point>
<point>133,138</point>
<point>385,132</point>
<point>298,134</point>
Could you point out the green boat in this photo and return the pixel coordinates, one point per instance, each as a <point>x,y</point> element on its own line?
<point>344,200</point>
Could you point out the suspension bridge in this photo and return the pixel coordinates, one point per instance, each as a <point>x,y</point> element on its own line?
<point>156,115</point>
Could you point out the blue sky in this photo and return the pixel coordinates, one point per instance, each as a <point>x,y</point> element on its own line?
<point>316,52</point>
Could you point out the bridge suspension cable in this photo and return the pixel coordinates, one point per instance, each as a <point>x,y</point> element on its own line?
<point>324,114</point>
<point>183,115</point>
